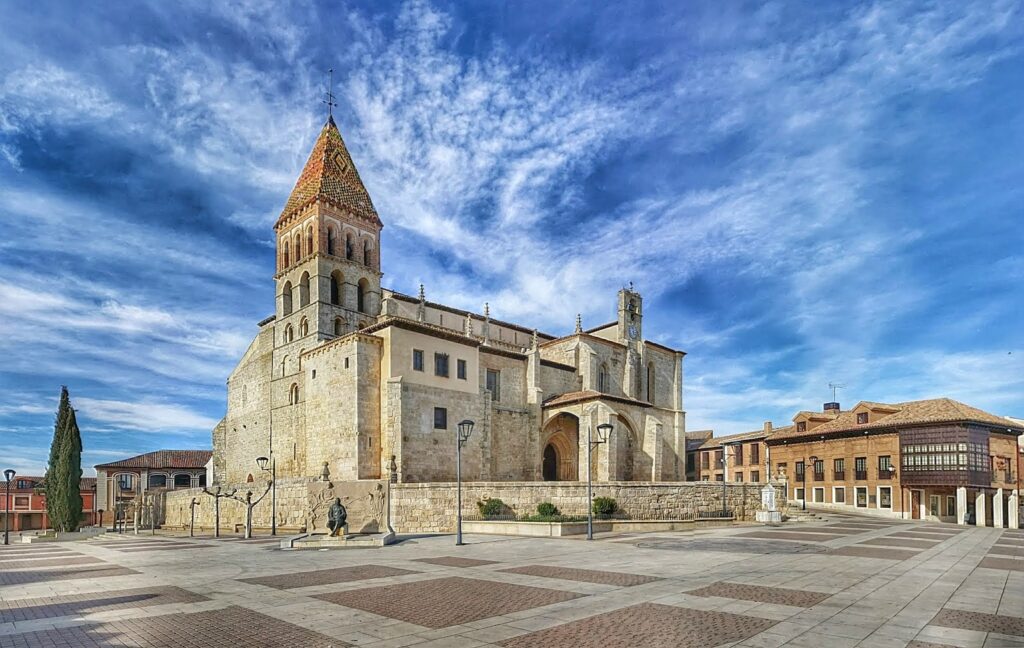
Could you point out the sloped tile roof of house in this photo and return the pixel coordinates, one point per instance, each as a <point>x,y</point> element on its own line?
<point>163,459</point>
<point>922,412</point>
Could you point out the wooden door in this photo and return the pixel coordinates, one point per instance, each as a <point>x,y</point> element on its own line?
<point>915,504</point>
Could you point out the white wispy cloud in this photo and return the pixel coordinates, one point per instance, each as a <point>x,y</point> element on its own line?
<point>150,416</point>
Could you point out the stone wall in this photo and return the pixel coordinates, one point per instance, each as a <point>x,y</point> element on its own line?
<point>428,508</point>
<point>425,508</point>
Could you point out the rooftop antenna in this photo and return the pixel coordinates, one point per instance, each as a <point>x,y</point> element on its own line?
<point>834,387</point>
<point>330,94</point>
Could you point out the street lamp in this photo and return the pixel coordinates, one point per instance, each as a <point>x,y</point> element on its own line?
<point>464,429</point>
<point>814,460</point>
<point>724,461</point>
<point>262,463</point>
<point>603,432</point>
<point>8,475</point>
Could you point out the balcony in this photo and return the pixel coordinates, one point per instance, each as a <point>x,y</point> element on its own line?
<point>838,475</point>
<point>819,476</point>
<point>860,475</point>
<point>886,474</point>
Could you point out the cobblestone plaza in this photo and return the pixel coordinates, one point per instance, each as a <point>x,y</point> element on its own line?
<point>840,581</point>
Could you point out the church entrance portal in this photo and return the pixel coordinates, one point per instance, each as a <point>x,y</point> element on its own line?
<point>550,468</point>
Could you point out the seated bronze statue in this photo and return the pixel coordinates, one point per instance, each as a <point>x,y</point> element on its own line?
<point>336,517</point>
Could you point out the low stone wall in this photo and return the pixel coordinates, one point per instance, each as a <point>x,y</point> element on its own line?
<point>429,507</point>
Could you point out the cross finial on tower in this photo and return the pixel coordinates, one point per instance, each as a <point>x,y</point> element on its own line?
<point>579,324</point>
<point>329,100</point>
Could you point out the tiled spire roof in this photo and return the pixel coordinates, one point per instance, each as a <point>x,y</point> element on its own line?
<point>330,175</point>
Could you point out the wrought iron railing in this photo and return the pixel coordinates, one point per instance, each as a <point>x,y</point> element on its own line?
<point>860,475</point>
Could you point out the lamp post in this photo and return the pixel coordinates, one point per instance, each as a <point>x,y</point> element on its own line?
<point>192,522</point>
<point>603,432</point>
<point>262,463</point>
<point>463,432</point>
<point>725,458</point>
<point>803,502</point>
<point>8,475</point>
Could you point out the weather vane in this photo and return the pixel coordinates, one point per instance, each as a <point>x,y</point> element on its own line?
<point>330,94</point>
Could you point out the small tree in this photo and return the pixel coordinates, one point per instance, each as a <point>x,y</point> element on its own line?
<point>64,470</point>
<point>605,506</point>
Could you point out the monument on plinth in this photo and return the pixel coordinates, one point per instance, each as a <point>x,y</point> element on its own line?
<point>769,513</point>
<point>345,514</point>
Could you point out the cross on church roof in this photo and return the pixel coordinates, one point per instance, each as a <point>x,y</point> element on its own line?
<point>330,94</point>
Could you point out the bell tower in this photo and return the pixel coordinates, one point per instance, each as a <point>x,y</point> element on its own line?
<point>630,316</point>
<point>328,248</point>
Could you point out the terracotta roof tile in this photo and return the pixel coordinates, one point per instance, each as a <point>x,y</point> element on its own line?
<point>590,394</point>
<point>330,175</point>
<point>934,410</point>
<point>163,459</point>
<point>716,442</point>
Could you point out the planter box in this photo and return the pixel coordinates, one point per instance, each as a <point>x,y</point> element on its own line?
<point>560,529</point>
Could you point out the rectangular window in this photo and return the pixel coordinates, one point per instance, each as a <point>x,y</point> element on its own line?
<point>862,497</point>
<point>755,454</point>
<point>705,460</point>
<point>885,463</point>
<point>933,505</point>
<point>951,505</point>
<point>798,494</point>
<point>755,476</point>
<point>801,426</point>
<point>440,418</point>
<point>417,360</point>
<point>818,495</point>
<point>839,468</point>
<point>885,497</point>
<point>738,459</point>
<point>839,495</point>
<point>21,502</point>
<point>718,458</point>
<point>441,365</point>
<point>799,470</point>
<point>819,469</point>
<point>719,477</point>
<point>460,369</point>
<point>860,468</point>
<point>739,477</point>
<point>862,418</point>
<point>494,384</point>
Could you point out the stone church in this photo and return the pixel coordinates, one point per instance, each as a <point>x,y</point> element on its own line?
<point>368,380</point>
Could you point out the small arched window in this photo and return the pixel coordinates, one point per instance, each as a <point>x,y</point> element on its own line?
<point>339,326</point>
<point>330,240</point>
<point>158,481</point>
<point>361,290</point>
<point>248,479</point>
<point>289,333</point>
<point>309,240</point>
<point>304,327</point>
<point>284,365</point>
<point>367,259</point>
<point>286,298</point>
<point>650,383</point>
<point>603,379</point>
<point>348,246</point>
<point>287,257</point>
<point>336,281</point>
<point>304,290</point>
<point>297,247</point>
<point>293,394</point>
<point>182,480</point>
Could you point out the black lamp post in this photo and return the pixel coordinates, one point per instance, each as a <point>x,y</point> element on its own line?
<point>8,475</point>
<point>463,432</point>
<point>725,459</point>
<point>262,463</point>
<point>604,431</point>
<point>814,460</point>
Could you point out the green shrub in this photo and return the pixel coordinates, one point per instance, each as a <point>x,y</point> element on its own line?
<point>547,509</point>
<point>491,507</point>
<point>605,506</point>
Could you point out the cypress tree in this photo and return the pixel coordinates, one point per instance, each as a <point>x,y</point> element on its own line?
<point>55,480</point>
<point>71,457</point>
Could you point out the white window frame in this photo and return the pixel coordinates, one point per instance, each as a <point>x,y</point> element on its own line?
<point>798,493</point>
<point>878,498</point>
<point>836,501</point>
<point>856,491</point>
<point>814,494</point>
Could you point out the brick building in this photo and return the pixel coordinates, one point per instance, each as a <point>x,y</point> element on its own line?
<point>745,457</point>
<point>28,503</point>
<point>932,459</point>
<point>121,481</point>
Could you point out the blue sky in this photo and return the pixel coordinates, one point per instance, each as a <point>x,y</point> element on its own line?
<point>804,192</point>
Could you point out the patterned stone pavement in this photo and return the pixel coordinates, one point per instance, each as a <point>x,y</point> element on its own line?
<point>841,581</point>
<point>649,625</point>
<point>584,575</point>
<point>761,594</point>
<point>444,602</point>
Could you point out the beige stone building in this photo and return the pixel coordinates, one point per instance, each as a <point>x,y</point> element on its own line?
<point>350,374</point>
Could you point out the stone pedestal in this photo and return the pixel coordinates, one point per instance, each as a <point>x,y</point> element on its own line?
<point>1013,506</point>
<point>997,509</point>
<point>980,519</point>
<point>768,514</point>
<point>961,506</point>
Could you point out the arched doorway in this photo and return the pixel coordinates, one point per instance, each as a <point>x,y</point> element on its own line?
<point>560,449</point>
<point>550,465</point>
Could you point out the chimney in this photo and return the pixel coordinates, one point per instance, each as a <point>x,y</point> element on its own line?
<point>768,427</point>
<point>832,407</point>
